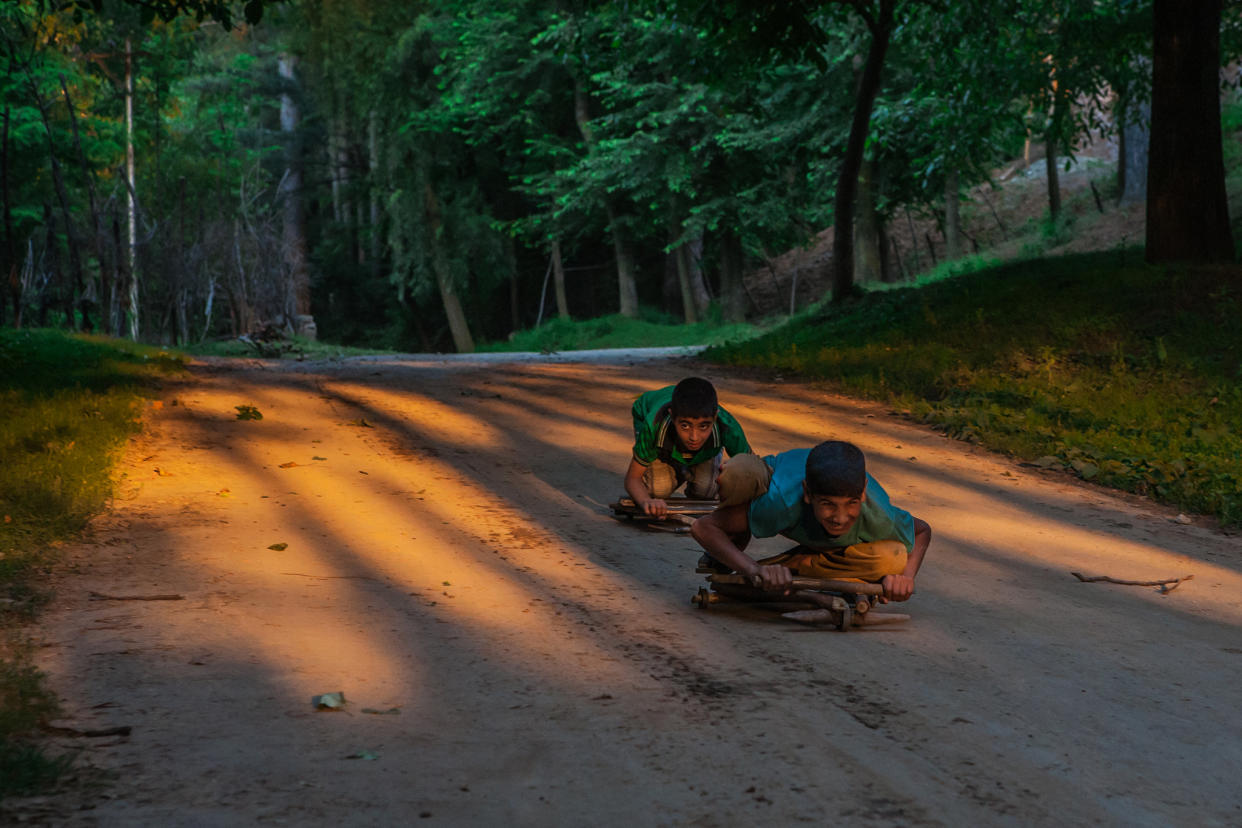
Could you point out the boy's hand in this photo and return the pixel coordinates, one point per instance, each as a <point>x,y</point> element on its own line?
<point>655,508</point>
<point>772,577</point>
<point>896,588</point>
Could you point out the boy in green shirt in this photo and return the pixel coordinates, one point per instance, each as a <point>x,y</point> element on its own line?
<point>823,499</point>
<point>679,434</point>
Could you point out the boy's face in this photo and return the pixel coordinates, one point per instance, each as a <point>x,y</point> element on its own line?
<point>836,513</point>
<point>692,432</point>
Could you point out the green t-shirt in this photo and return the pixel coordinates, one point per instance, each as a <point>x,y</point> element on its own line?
<point>656,438</point>
<point>782,511</point>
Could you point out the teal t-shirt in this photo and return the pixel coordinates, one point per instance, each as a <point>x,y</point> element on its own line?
<point>655,438</point>
<point>782,511</point>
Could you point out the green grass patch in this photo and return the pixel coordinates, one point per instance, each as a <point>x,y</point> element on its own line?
<point>616,331</point>
<point>295,347</point>
<point>67,405</point>
<point>1122,373</point>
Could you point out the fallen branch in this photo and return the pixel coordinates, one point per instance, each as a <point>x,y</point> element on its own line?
<point>123,730</point>
<point>99,596</point>
<point>1166,586</point>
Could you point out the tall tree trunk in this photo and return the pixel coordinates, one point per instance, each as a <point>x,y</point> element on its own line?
<point>373,159</point>
<point>627,288</point>
<point>558,280</point>
<point>131,204</point>
<point>1135,140</point>
<point>867,265</point>
<point>297,301</point>
<point>8,266</point>
<point>462,340</point>
<point>515,308</point>
<point>881,28</point>
<point>120,279</point>
<point>334,171</point>
<point>689,311</point>
<point>1187,207</point>
<point>952,215</point>
<point>62,197</point>
<point>1054,176</point>
<point>96,220</point>
<point>732,293</point>
<point>698,280</point>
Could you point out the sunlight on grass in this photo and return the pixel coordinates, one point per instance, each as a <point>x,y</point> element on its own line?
<point>617,331</point>
<point>67,405</point>
<point>1124,374</point>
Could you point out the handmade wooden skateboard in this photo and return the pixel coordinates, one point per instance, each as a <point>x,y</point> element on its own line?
<point>681,513</point>
<point>812,601</point>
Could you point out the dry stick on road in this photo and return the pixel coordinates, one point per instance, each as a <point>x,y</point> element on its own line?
<point>1166,586</point>
<point>99,596</point>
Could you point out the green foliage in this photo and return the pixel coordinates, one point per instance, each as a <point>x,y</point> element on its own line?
<point>616,331</point>
<point>67,405</point>
<point>1127,375</point>
<point>24,703</point>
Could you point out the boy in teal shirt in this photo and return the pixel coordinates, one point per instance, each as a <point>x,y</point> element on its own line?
<point>679,434</point>
<point>822,498</point>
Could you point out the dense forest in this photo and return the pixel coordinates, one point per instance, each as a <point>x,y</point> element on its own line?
<point>426,175</point>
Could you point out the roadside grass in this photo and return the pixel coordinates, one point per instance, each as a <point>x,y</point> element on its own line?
<point>67,405</point>
<point>651,330</point>
<point>1122,373</point>
<point>295,347</point>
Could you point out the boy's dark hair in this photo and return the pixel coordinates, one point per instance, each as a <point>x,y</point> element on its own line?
<point>693,397</point>
<point>836,469</point>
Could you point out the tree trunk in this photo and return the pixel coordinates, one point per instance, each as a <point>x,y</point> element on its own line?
<point>881,28</point>
<point>462,340</point>
<point>732,293</point>
<point>1054,177</point>
<point>689,311</point>
<point>698,281</point>
<point>8,265</point>
<point>297,297</point>
<point>515,309</point>
<point>867,266</point>
<point>373,147</point>
<point>952,216</point>
<point>627,288</point>
<point>887,271</point>
<point>62,197</point>
<point>1187,208</point>
<point>120,279</point>
<point>558,279</point>
<point>96,221</point>
<point>1135,141</point>
<point>131,205</point>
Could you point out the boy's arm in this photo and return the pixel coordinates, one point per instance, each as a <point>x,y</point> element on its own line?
<point>901,587</point>
<point>637,490</point>
<point>724,533</point>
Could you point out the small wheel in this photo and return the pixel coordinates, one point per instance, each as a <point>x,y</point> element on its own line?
<point>702,598</point>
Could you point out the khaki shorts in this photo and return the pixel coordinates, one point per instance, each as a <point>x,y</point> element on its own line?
<point>662,479</point>
<point>860,562</point>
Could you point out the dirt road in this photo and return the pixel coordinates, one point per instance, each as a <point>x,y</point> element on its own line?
<point>430,537</point>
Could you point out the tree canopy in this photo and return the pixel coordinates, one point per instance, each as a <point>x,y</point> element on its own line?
<point>438,162</point>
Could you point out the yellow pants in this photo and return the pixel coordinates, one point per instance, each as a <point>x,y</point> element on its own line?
<point>860,562</point>
<point>662,480</point>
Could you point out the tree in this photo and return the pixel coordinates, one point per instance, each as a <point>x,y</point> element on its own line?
<point>1187,209</point>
